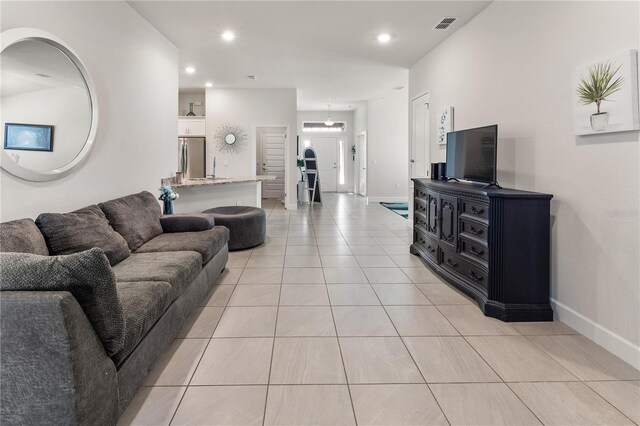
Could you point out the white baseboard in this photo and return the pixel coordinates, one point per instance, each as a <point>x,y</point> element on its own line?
<point>386,199</point>
<point>617,345</point>
<point>291,206</point>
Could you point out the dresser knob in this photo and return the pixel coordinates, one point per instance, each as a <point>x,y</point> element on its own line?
<point>452,264</point>
<point>475,277</point>
<point>476,251</point>
<point>476,211</point>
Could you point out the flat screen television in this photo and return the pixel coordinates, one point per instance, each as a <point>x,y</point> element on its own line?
<point>472,154</point>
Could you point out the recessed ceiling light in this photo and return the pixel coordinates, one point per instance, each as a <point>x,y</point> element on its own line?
<point>208,84</point>
<point>228,36</point>
<point>384,38</point>
<point>190,70</point>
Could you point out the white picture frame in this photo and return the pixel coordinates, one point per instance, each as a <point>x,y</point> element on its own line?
<point>622,107</point>
<point>444,124</point>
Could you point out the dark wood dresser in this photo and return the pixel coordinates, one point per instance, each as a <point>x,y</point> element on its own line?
<point>493,244</point>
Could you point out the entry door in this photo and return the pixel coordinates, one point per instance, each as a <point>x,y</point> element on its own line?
<point>419,151</point>
<point>271,142</point>
<point>327,159</point>
<point>361,150</point>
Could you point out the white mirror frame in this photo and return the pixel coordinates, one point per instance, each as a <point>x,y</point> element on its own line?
<point>16,35</point>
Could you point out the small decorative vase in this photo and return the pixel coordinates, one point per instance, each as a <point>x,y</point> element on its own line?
<point>191,113</point>
<point>599,121</point>
<point>168,206</point>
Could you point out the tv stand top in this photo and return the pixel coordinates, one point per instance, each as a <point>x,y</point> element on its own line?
<point>478,189</point>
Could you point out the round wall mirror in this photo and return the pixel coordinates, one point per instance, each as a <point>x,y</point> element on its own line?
<point>49,113</point>
<point>230,139</point>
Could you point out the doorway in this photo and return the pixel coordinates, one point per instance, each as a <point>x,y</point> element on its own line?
<point>419,149</point>
<point>419,143</point>
<point>361,164</point>
<point>330,158</point>
<point>270,154</point>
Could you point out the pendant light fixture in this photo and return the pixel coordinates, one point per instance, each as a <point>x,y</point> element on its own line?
<point>329,121</point>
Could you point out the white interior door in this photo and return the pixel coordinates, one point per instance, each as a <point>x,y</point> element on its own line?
<point>327,159</point>
<point>361,151</point>
<point>270,153</point>
<point>419,151</point>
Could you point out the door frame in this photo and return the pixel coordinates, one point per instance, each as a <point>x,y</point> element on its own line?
<point>287,149</point>
<point>411,141</point>
<point>366,174</point>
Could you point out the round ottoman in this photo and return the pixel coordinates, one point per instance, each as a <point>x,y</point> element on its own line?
<point>247,225</point>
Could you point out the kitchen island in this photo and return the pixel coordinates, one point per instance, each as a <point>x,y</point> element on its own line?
<point>197,195</point>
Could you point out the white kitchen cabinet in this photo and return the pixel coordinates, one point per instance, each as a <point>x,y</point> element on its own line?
<point>191,127</point>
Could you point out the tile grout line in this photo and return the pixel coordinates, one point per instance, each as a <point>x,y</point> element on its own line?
<point>273,345</point>
<point>207,345</point>
<point>412,358</point>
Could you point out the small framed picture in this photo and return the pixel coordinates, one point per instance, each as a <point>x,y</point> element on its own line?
<point>28,137</point>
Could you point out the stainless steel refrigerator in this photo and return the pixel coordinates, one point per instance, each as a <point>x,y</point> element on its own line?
<point>192,157</point>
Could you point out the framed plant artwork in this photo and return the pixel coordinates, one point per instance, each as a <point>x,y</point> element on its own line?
<point>28,137</point>
<point>445,124</point>
<point>605,95</point>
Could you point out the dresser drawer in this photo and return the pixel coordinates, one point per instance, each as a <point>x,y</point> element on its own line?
<point>457,265</point>
<point>420,192</point>
<point>427,245</point>
<point>420,206</point>
<point>474,250</point>
<point>474,209</point>
<point>474,230</point>
<point>420,221</point>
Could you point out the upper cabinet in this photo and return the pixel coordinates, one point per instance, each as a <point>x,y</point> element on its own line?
<point>191,127</point>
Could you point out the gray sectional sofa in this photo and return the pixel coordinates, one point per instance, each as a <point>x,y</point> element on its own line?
<point>90,299</point>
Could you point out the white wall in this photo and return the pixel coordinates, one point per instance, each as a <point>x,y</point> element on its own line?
<point>347,136</point>
<point>512,65</point>
<point>388,146</point>
<point>135,71</point>
<point>185,97</point>
<point>248,109</point>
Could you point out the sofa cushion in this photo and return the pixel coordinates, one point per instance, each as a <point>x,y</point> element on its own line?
<point>143,303</point>
<point>207,243</point>
<point>22,236</point>
<point>67,233</point>
<point>86,275</point>
<point>178,268</point>
<point>136,217</point>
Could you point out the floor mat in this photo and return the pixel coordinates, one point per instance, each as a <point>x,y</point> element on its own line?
<point>398,208</point>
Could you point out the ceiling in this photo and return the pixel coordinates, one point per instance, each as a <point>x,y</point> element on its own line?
<point>325,49</point>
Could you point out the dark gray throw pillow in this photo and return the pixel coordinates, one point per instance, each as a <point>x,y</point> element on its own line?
<point>86,275</point>
<point>136,217</point>
<point>73,232</point>
<point>22,236</point>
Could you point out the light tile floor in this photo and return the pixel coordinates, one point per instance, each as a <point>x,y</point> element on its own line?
<point>331,321</point>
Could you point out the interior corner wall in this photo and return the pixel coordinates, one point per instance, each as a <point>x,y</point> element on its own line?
<point>512,65</point>
<point>248,109</point>
<point>388,147</point>
<point>135,71</point>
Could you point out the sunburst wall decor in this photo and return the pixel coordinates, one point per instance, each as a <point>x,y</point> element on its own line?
<point>230,138</point>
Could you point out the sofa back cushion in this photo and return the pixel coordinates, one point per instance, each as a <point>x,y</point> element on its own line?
<point>67,233</point>
<point>22,236</point>
<point>136,217</point>
<point>86,275</point>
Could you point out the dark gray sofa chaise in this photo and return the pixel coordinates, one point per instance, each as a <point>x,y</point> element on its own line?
<point>54,367</point>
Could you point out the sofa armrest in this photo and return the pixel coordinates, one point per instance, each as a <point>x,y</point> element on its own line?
<point>54,369</point>
<point>192,222</point>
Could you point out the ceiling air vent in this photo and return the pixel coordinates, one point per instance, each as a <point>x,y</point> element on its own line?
<point>251,77</point>
<point>445,23</point>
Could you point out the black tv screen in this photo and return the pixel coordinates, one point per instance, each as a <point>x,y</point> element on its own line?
<point>471,154</point>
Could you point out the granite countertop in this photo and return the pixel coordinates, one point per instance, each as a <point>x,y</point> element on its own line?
<point>195,183</point>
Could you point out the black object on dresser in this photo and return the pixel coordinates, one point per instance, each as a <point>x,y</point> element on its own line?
<point>491,243</point>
